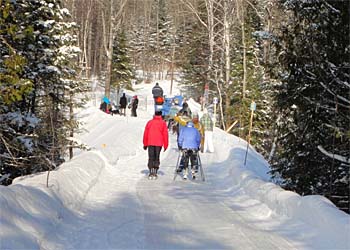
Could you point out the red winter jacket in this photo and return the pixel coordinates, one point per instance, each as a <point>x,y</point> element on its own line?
<point>156,133</point>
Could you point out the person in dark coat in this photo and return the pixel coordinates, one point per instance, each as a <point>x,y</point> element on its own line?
<point>185,108</point>
<point>155,137</point>
<point>157,91</point>
<point>103,106</point>
<point>122,102</point>
<point>134,104</point>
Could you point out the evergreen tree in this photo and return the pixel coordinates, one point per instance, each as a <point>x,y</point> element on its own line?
<point>122,69</point>
<point>195,63</point>
<point>13,88</point>
<point>162,35</point>
<point>258,89</point>
<point>37,124</point>
<point>314,100</point>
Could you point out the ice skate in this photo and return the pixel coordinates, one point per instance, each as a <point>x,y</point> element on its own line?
<point>185,176</point>
<point>193,172</point>
<point>151,174</point>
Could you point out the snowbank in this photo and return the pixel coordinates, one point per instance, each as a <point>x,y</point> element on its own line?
<point>29,208</point>
<point>314,209</point>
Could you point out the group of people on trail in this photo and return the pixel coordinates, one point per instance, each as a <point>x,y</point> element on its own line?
<point>193,135</point>
<point>107,107</point>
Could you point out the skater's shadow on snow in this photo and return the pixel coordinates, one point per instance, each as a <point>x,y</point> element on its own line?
<point>146,172</point>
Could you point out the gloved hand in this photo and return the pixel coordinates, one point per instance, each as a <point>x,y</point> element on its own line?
<point>144,147</point>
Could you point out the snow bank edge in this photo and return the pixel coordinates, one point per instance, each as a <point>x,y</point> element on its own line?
<point>31,209</point>
<point>315,210</point>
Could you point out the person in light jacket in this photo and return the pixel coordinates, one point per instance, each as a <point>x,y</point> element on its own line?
<point>208,126</point>
<point>189,142</point>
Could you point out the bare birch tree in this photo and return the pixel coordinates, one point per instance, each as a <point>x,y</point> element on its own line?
<point>110,27</point>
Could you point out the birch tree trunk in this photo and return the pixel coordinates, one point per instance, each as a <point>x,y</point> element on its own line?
<point>210,25</point>
<point>114,23</point>
<point>108,45</point>
<point>227,22</point>
<point>240,18</point>
<point>210,13</point>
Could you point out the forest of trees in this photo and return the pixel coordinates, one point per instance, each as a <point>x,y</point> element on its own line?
<point>291,57</point>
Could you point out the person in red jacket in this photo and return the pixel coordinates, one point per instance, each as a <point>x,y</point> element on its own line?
<point>155,137</point>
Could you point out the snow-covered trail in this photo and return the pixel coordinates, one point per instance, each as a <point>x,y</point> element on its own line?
<point>195,215</point>
<point>102,199</point>
<point>125,210</point>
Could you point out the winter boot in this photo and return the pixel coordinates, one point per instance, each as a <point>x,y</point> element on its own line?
<point>185,174</point>
<point>193,174</point>
<point>155,176</point>
<point>150,176</point>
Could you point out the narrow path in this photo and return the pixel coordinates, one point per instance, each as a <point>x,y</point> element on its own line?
<point>194,215</point>
<point>125,210</point>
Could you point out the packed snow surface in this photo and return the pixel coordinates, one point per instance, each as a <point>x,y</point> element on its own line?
<point>102,198</point>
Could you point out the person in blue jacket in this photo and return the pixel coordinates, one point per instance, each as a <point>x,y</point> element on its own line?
<point>189,142</point>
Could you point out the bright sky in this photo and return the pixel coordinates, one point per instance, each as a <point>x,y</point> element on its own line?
<point>102,199</point>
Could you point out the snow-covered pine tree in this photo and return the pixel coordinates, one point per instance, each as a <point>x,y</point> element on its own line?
<point>137,46</point>
<point>313,155</point>
<point>14,88</point>
<point>38,131</point>
<point>195,61</point>
<point>161,36</point>
<point>258,89</point>
<point>73,88</point>
<point>194,53</point>
<point>122,68</point>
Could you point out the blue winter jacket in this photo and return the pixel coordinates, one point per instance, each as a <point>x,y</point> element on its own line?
<point>189,138</point>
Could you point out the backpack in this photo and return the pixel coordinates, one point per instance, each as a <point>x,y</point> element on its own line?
<point>159,100</point>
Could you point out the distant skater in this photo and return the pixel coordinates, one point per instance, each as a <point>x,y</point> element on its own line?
<point>134,104</point>
<point>208,126</point>
<point>122,103</point>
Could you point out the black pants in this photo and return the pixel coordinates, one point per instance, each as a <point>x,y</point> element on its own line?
<point>122,111</point>
<point>133,112</point>
<point>153,156</point>
<point>190,155</point>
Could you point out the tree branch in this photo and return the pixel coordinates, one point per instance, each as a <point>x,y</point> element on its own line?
<point>334,156</point>
<point>194,11</point>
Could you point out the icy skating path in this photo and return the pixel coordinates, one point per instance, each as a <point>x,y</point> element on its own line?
<point>102,199</point>
<point>125,210</point>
